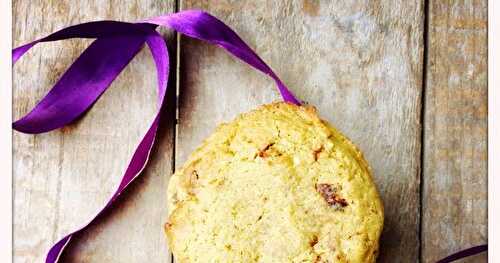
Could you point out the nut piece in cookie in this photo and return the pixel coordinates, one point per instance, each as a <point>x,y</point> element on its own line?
<point>330,194</point>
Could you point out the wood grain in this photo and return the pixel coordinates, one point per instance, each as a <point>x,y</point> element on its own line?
<point>455,153</point>
<point>62,178</point>
<point>358,62</point>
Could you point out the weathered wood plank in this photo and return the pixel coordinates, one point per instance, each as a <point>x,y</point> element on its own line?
<point>359,62</point>
<point>64,177</point>
<point>455,149</point>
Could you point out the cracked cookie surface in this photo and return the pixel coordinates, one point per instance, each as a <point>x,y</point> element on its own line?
<point>277,184</point>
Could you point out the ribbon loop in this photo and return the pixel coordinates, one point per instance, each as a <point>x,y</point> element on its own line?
<point>96,29</point>
<point>82,84</point>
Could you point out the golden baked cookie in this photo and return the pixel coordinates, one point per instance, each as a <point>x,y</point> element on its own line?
<point>277,184</point>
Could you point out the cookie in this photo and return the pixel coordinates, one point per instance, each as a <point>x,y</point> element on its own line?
<point>277,184</point>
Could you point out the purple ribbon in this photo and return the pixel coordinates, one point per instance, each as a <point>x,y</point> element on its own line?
<point>464,253</point>
<point>115,46</point>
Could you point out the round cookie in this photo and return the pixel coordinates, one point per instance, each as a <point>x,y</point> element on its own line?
<point>276,184</point>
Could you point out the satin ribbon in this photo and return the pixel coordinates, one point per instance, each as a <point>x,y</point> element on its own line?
<point>464,253</point>
<point>91,74</point>
<point>115,46</point>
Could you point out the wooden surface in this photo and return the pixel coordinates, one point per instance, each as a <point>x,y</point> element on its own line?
<point>455,157</point>
<point>361,64</point>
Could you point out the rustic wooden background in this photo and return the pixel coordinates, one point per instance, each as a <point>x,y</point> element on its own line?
<point>405,80</point>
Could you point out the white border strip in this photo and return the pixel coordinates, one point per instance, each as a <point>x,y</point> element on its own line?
<point>5,131</point>
<point>493,131</point>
